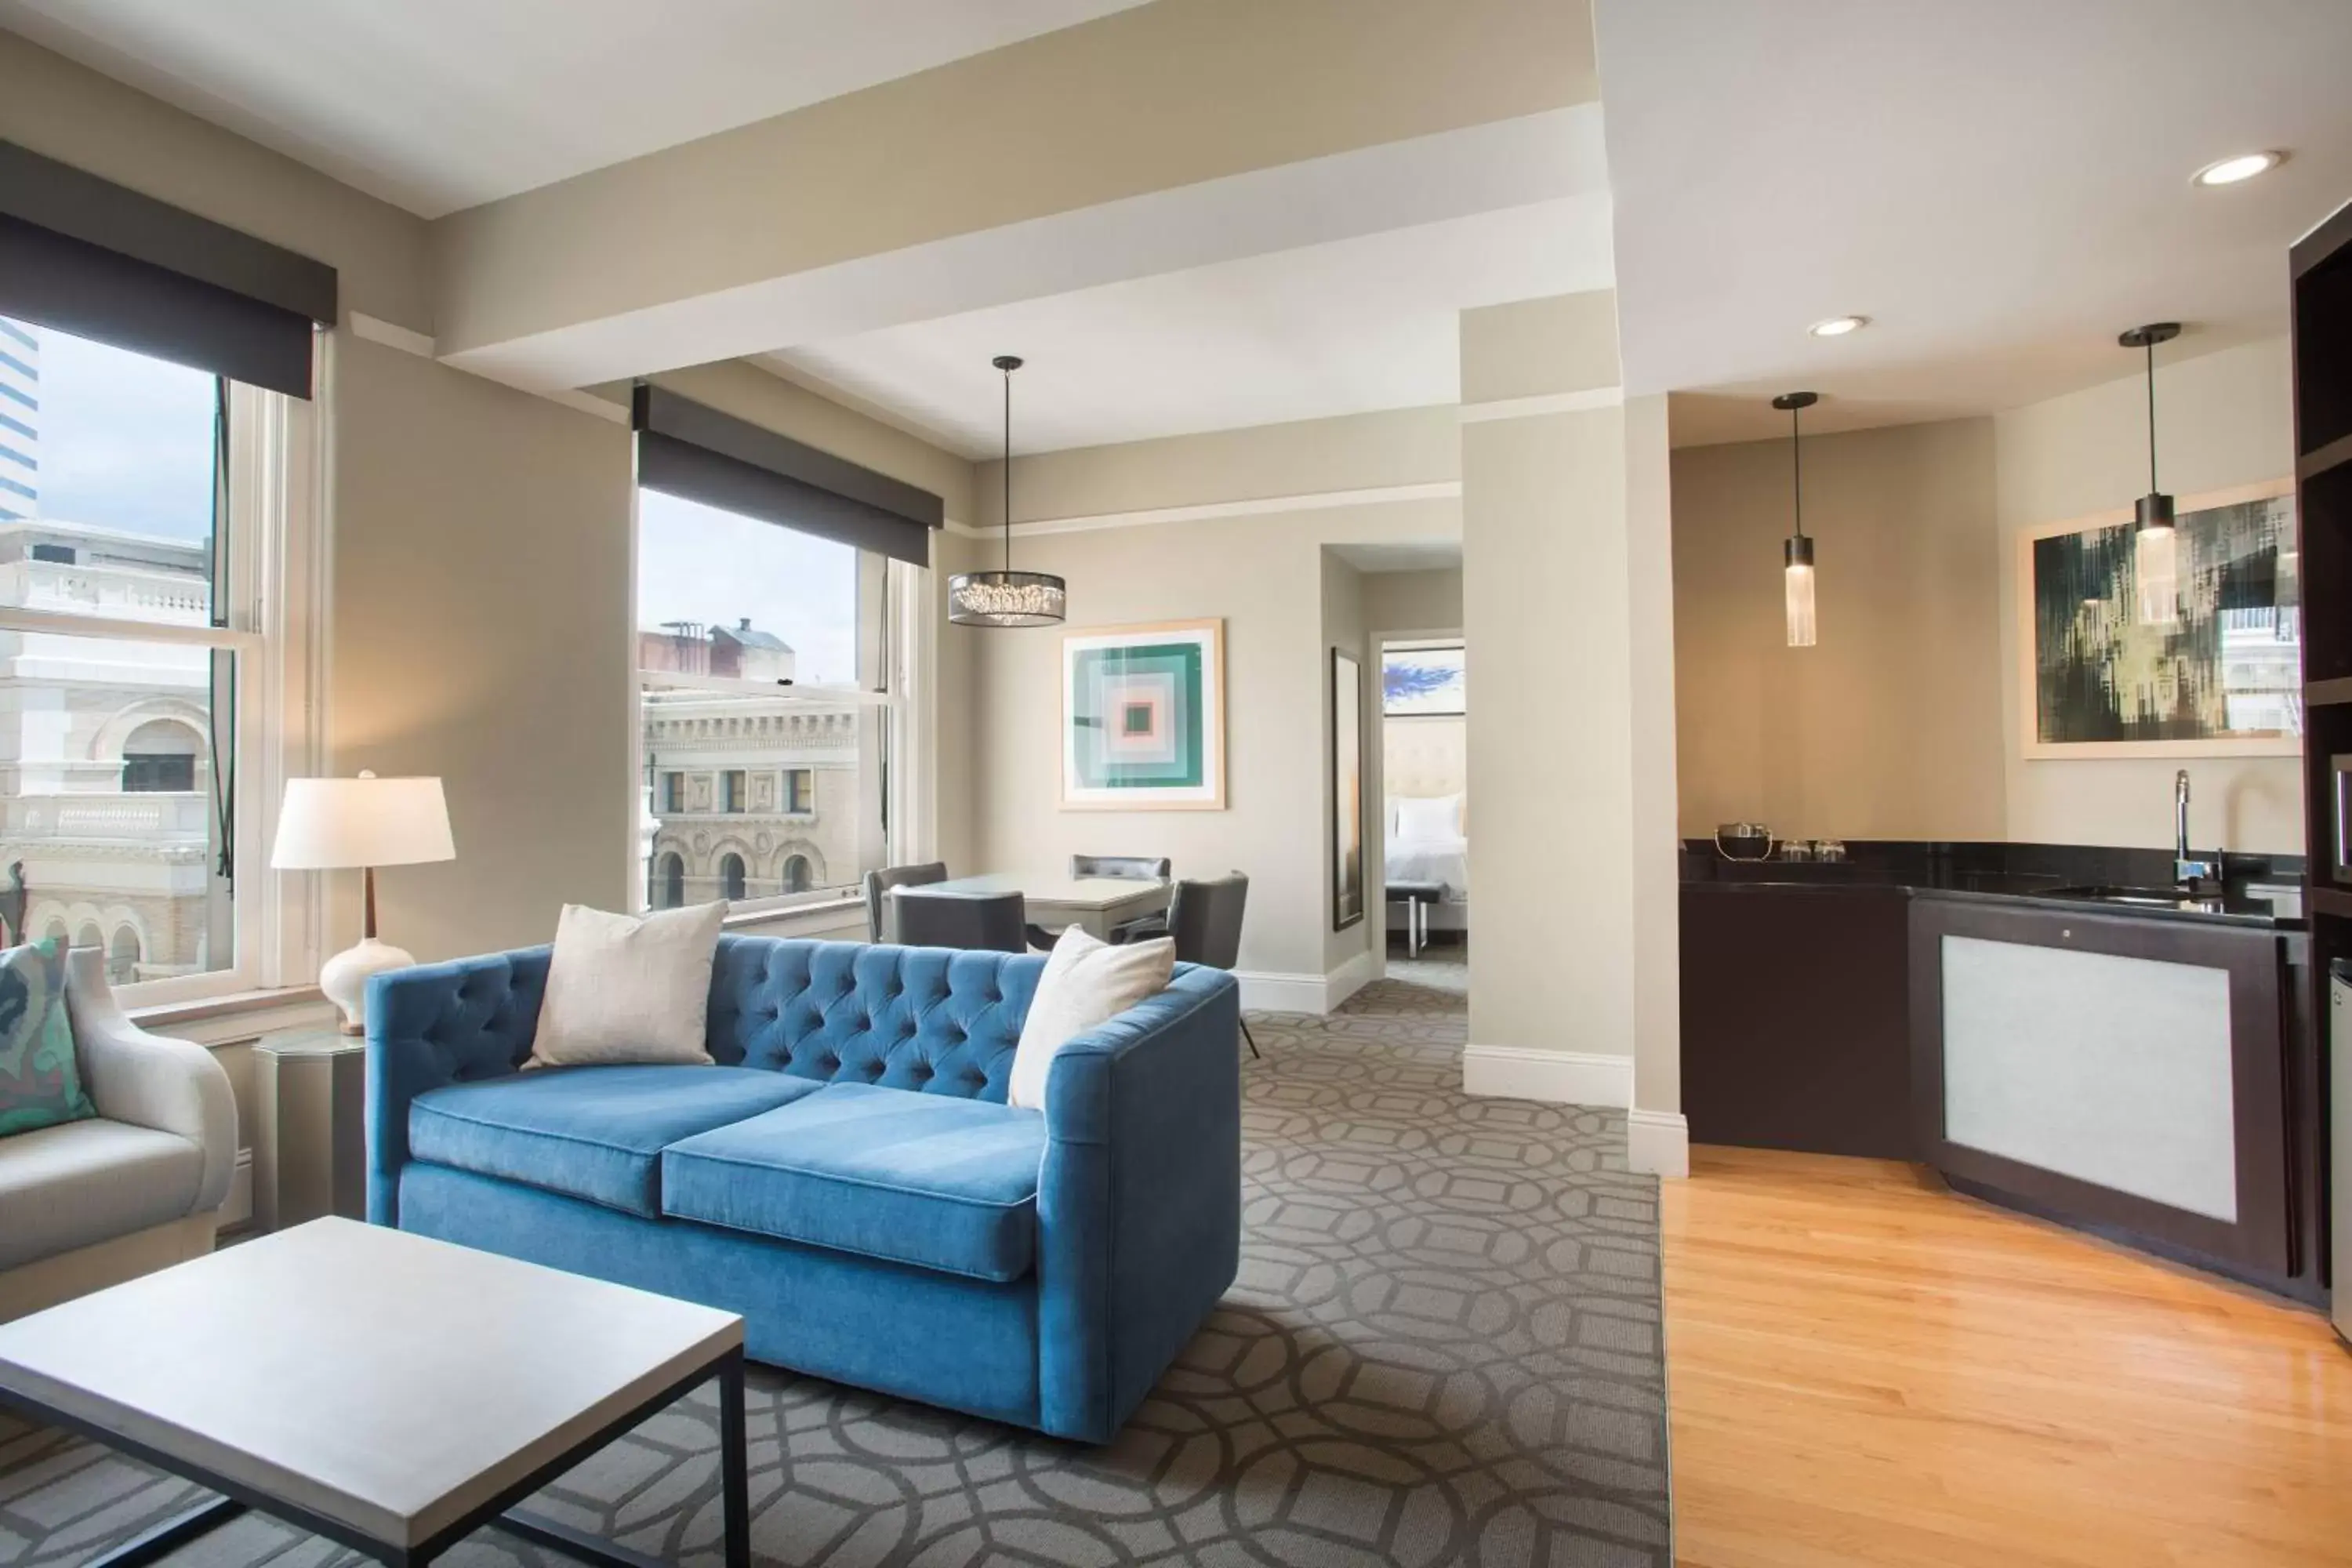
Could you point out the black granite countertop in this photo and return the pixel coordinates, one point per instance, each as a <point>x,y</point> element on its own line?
<point>2258,891</point>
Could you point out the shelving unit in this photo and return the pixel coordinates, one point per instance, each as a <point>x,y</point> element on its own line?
<point>2321,268</point>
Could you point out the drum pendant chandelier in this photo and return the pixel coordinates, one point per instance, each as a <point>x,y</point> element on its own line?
<point>1002,596</point>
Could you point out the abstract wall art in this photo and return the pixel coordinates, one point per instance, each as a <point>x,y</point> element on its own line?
<point>2222,677</point>
<point>1143,717</point>
<point>1422,681</point>
<point>1346,790</point>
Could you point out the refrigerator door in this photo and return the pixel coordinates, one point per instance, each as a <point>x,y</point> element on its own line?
<point>2339,1139</point>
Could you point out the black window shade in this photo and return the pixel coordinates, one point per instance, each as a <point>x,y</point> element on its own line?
<point>699,454</point>
<point>87,257</point>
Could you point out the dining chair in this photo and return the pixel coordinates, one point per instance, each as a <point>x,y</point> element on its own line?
<point>991,921</point>
<point>877,891</point>
<point>1205,919</point>
<point>1122,867</point>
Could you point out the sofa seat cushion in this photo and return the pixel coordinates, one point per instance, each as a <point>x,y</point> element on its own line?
<point>81,1183</point>
<point>932,1180</point>
<point>593,1132</point>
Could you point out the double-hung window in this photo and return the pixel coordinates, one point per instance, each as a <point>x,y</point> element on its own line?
<point>772,689</point>
<point>143,548</point>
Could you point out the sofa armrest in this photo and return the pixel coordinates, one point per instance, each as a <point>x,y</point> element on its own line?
<point>151,1080</point>
<point>440,1024</point>
<point>1138,1199</point>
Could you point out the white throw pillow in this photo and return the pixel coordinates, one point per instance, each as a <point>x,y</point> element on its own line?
<point>1425,819</point>
<point>1086,981</point>
<point>627,988</point>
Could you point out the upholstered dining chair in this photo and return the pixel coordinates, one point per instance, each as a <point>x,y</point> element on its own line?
<point>877,891</point>
<point>994,922</point>
<point>1123,867</point>
<point>1205,919</point>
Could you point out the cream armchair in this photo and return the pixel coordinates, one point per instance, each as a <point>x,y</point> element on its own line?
<point>96,1202</point>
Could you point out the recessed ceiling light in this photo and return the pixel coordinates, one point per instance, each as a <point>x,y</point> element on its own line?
<point>1838,326</point>
<point>2244,166</point>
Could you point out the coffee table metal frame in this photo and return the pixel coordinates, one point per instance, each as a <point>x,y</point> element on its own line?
<point>500,1512</point>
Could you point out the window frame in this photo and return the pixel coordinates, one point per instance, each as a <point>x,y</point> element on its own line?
<point>272,602</point>
<point>902,595</point>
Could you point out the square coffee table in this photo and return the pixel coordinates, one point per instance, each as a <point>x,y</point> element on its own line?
<point>387,1391</point>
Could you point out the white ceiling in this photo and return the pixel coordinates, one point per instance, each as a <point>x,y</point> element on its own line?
<point>441,104</point>
<point>1357,324</point>
<point>2002,186</point>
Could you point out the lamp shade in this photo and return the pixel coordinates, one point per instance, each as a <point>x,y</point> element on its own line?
<point>332,824</point>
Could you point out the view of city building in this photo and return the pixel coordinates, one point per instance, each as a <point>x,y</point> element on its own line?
<point>106,809</point>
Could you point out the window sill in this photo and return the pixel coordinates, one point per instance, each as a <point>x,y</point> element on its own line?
<point>236,1017</point>
<point>797,918</point>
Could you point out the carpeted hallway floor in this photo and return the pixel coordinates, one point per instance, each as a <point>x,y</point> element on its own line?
<point>1443,1349</point>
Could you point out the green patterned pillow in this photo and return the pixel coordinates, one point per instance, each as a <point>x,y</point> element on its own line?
<point>40,1082</point>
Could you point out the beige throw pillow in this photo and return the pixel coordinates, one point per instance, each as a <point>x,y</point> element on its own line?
<point>627,988</point>
<point>1086,981</point>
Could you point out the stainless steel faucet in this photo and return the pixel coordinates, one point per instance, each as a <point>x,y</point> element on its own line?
<point>2187,872</point>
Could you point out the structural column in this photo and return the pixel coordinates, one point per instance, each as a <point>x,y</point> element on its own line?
<point>1567,601</point>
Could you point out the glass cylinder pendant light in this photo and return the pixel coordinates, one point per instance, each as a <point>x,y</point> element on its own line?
<point>1797,550</point>
<point>2155,542</point>
<point>1002,596</point>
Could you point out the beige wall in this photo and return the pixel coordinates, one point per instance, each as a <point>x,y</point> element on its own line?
<point>1428,601</point>
<point>2222,419</point>
<point>1890,726</point>
<point>1551,868</point>
<point>482,624</point>
<point>1661,1147</point>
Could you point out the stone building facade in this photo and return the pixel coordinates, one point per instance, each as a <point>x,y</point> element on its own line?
<point>757,797</point>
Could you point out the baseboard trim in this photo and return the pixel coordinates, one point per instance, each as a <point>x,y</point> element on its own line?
<point>1271,990</point>
<point>1556,1077</point>
<point>1657,1143</point>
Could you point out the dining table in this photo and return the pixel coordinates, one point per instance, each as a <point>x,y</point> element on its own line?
<point>1056,899</point>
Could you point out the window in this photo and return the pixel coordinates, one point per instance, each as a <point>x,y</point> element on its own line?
<point>134,539</point>
<point>767,662</point>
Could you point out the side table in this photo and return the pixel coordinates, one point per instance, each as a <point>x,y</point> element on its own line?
<point>309,1154</point>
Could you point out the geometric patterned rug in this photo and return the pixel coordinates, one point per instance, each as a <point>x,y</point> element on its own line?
<point>1443,1348</point>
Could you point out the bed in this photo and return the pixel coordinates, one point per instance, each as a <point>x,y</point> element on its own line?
<point>1425,844</point>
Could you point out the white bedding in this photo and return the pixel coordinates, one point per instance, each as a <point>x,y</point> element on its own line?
<point>1445,861</point>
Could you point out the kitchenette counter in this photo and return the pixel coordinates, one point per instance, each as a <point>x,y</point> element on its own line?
<point>2048,1028</point>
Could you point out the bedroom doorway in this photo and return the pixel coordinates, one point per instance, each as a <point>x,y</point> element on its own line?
<point>1425,815</point>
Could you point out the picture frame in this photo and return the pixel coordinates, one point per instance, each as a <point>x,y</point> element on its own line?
<point>1424,679</point>
<point>1347,697</point>
<point>1143,717</point>
<point>2092,683</point>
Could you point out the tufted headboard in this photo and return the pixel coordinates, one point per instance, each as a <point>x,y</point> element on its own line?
<point>1424,757</point>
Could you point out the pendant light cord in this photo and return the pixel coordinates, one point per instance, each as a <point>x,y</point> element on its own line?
<point>1797,459</point>
<point>2152,487</point>
<point>1008,471</point>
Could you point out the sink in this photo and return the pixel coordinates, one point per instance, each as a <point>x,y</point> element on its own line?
<point>2144,898</point>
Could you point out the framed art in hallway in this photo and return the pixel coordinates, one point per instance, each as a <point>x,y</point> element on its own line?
<point>2223,677</point>
<point>1346,790</point>
<point>1423,680</point>
<point>1143,717</point>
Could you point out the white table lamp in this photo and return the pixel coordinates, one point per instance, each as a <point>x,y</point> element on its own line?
<point>342,825</point>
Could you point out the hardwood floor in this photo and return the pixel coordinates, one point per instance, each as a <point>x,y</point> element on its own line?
<point>1865,1369</point>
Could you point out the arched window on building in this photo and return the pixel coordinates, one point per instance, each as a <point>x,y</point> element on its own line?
<point>89,935</point>
<point>160,757</point>
<point>673,881</point>
<point>55,932</point>
<point>122,957</point>
<point>730,876</point>
<point>797,874</point>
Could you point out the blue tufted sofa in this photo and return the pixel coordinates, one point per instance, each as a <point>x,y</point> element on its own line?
<point>848,1177</point>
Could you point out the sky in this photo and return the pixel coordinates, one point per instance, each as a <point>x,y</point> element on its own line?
<point>696,563</point>
<point>126,441</point>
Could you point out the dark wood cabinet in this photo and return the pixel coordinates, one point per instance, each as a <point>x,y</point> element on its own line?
<point>1794,1018</point>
